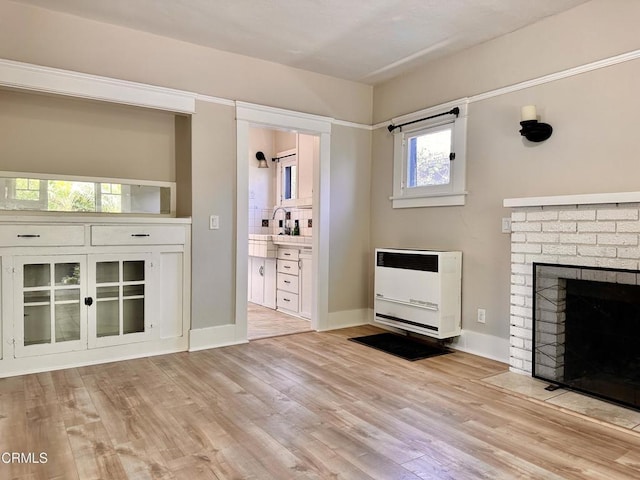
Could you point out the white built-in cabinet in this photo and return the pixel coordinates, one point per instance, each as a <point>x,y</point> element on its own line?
<point>76,292</point>
<point>294,273</point>
<point>262,281</point>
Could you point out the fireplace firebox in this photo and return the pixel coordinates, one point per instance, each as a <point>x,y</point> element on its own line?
<point>586,330</point>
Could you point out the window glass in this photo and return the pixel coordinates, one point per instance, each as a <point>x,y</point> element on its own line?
<point>428,158</point>
<point>27,189</point>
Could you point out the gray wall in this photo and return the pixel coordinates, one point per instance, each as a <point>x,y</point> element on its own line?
<point>349,257</point>
<point>68,42</point>
<point>61,135</point>
<point>213,183</point>
<point>34,35</point>
<point>593,148</point>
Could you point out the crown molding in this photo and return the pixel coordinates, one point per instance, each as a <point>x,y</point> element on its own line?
<point>25,76</point>
<point>218,100</point>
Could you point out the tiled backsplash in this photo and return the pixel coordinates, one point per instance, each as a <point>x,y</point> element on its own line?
<point>260,220</point>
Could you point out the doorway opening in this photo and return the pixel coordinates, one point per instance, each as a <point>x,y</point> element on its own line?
<point>282,225</point>
<point>280,265</point>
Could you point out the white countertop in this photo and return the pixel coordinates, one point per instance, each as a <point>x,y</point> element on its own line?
<point>289,240</point>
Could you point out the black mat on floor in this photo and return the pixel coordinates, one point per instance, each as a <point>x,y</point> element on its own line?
<point>402,346</point>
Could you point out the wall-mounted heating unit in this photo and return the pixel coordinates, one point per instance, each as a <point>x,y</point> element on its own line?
<point>419,291</point>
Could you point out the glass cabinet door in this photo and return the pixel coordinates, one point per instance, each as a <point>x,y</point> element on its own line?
<point>119,290</point>
<point>49,301</point>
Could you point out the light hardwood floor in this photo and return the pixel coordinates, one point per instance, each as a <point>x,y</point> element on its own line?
<point>265,322</point>
<point>306,406</point>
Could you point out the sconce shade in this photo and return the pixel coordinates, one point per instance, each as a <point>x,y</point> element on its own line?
<point>262,160</point>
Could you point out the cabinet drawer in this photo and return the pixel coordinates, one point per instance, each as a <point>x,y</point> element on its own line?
<point>288,301</point>
<point>288,253</point>
<point>137,235</point>
<point>41,235</point>
<point>288,283</point>
<point>288,266</point>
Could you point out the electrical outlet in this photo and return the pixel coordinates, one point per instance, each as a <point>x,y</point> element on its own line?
<point>506,225</point>
<point>482,315</point>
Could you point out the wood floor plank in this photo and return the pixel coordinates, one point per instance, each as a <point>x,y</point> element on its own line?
<point>309,406</point>
<point>94,454</point>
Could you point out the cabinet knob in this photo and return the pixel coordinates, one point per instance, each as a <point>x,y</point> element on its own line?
<point>88,301</point>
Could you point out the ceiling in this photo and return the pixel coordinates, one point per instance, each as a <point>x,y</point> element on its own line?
<point>367,41</point>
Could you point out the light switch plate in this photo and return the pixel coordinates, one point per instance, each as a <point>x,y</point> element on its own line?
<point>214,222</point>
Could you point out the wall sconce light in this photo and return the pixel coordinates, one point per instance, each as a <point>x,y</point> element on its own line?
<point>262,160</point>
<point>532,129</point>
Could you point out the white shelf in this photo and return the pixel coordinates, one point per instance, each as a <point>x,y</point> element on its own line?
<point>579,199</point>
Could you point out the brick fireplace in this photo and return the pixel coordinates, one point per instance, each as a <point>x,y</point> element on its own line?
<point>600,230</point>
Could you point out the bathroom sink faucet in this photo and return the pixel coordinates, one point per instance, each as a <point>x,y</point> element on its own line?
<point>284,220</point>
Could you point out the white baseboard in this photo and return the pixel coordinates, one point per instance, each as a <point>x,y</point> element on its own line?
<point>348,318</point>
<point>483,345</point>
<point>213,337</point>
<point>11,366</point>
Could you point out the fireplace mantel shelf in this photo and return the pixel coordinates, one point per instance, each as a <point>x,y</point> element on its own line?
<point>580,199</point>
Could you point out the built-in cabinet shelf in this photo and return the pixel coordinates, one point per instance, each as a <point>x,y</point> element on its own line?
<point>115,290</point>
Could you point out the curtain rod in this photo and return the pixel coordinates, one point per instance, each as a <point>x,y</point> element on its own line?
<point>454,111</point>
<point>276,159</point>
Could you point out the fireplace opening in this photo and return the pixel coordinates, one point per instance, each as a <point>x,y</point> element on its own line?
<point>586,330</point>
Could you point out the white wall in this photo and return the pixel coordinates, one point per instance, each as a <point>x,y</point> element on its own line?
<point>261,180</point>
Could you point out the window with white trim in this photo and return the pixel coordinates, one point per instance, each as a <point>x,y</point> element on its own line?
<point>430,158</point>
